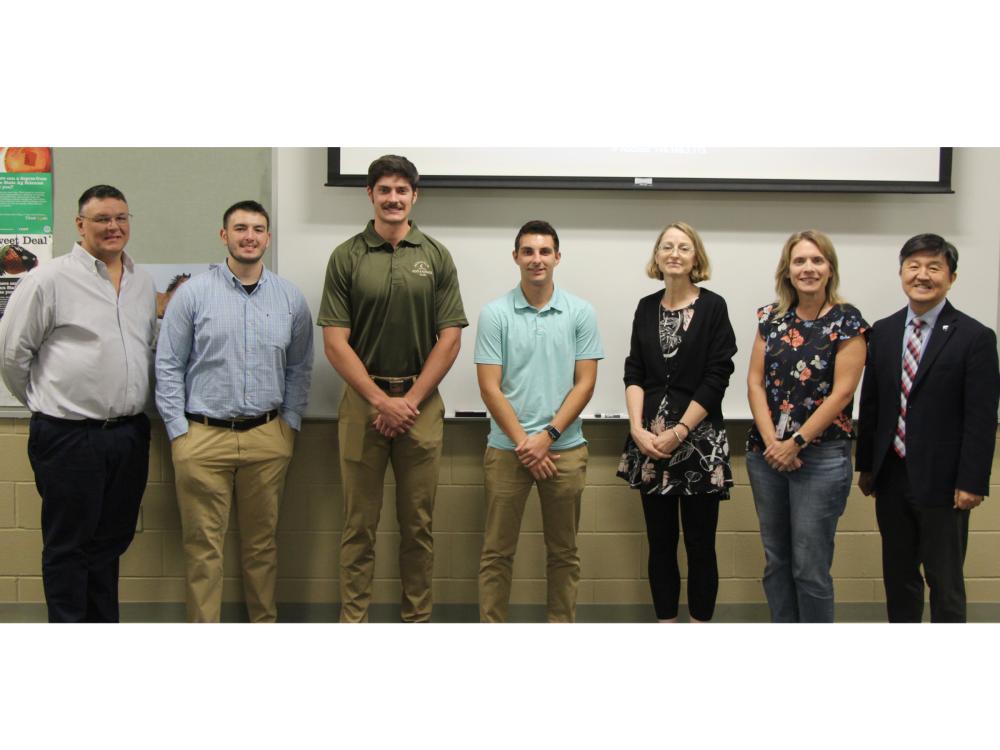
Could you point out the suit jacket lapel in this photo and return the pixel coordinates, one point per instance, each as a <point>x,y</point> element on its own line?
<point>943,329</point>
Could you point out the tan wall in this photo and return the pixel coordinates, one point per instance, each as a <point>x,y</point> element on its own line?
<point>612,539</point>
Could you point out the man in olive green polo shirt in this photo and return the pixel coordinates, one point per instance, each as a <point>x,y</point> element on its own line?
<point>392,319</point>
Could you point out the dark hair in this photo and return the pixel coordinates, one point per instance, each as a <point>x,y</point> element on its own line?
<point>99,192</point>
<point>177,281</point>
<point>537,226</point>
<point>933,243</point>
<point>390,164</point>
<point>251,206</point>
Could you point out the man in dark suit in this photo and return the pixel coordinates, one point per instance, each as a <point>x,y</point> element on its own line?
<point>926,433</point>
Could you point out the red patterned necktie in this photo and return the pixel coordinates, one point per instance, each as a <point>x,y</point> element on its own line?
<point>911,360</point>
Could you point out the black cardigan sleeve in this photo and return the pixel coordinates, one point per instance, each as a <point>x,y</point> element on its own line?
<point>719,360</point>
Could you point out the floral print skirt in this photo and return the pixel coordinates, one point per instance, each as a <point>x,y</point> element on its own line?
<point>699,466</point>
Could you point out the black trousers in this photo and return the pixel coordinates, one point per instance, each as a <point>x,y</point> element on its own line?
<point>91,479</point>
<point>699,515</point>
<point>914,535</point>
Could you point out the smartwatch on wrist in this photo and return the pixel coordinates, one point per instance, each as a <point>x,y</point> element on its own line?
<point>799,440</point>
<point>553,432</point>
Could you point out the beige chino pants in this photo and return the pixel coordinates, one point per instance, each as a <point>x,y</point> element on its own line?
<point>415,457</point>
<point>507,486</point>
<point>212,465</point>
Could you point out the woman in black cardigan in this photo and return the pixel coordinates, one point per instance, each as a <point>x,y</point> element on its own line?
<point>677,454</point>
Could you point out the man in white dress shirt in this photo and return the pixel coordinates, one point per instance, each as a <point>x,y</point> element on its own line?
<point>76,349</point>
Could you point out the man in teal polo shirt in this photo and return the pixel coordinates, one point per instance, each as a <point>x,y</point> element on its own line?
<point>392,319</point>
<point>536,356</point>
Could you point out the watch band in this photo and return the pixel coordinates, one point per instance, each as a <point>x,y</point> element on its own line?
<point>553,432</point>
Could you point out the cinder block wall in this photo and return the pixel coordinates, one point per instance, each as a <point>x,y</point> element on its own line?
<point>612,539</point>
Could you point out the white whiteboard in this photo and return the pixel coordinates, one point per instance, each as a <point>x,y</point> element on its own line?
<point>867,164</point>
<point>606,238</point>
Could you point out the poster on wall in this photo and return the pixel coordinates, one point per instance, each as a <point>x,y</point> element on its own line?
<point>25,220</point>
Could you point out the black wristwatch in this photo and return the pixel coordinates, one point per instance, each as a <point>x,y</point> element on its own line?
<point>799,440</point>
<point>553,432</point>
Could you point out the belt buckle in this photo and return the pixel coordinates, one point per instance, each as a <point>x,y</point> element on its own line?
<point>397,387</point>
<point>110,422</point>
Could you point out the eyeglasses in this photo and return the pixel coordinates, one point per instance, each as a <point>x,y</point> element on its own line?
<point>104,221</point>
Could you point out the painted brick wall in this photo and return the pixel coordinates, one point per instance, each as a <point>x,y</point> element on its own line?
<point>612,539</point>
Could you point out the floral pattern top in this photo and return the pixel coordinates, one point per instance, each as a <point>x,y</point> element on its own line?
<point>799,358</point>
<point>700,465</point>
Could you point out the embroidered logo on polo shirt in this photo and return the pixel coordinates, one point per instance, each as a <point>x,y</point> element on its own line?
<point>421,268</point>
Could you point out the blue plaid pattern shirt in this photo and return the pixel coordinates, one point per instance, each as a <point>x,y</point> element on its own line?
<point>225,353</point>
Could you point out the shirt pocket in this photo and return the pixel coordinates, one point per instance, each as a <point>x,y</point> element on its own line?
<point>277,330</point>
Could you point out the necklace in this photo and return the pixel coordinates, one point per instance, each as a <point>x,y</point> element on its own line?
<point>819,312</point>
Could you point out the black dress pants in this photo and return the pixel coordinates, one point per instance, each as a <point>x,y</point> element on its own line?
<point>91,479</point>
<point>699,515</point>
<point>914,535</point>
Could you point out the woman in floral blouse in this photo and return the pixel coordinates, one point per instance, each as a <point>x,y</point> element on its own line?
<point>805,365</point>
<point>677,453</point>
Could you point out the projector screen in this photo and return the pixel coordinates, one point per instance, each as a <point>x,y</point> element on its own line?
<point>865,170</point>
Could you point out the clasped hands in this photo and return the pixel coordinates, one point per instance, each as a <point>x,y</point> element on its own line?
<point>533,453</point>
<point>656,446</point>
<point>783,455</point>
<point>396,415</point>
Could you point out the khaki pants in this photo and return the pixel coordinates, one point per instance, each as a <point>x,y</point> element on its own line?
<point>507,486</point>
<point>210,463</point>
<point>415,457</point>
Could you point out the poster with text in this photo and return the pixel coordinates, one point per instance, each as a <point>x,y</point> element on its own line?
<point>25,220</point>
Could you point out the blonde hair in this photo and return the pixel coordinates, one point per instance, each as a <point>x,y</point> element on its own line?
<point>787,296</point>
<point>700,271</point>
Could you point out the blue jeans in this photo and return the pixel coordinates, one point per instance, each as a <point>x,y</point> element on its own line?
<point>798,513</point>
